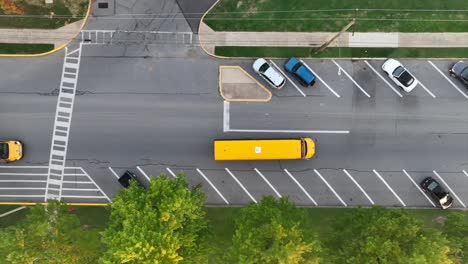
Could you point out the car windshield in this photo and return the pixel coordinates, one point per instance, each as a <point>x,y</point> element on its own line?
<point>403,76</point>
<point>3,151</point>
<point>436,189</point>
<point>264,67</point>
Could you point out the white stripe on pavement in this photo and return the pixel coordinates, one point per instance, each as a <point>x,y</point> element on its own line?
<point>427,90</point>
<point>419,188</point>
<point>383,79</point>
<point>466,173</point>
<point>297,88</point>
<point>142,172</point>
<point>320,79</point>
<point>171,172</point>
<point>84,197</point>
<point>23,181</point>
<point>22,174</point>
<point>113,172</point>
<point>390,188</point>
<point>240,184</point>
<point>269,184</point>
<point>27,167</point>
<point>359,186</point>
<point>450,81</point>
<point>95,184</point>
<point>290,131</point>
<point>331,188</point>
<point>300,186</point>
<point>80,190</point>
<point>21,188</point>
<point>212,185</point>
<point>226,115</point>
<point>351,78</point>
<point>450,189</point>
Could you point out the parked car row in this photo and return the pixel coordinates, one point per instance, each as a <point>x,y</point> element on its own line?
<point>393,68</point>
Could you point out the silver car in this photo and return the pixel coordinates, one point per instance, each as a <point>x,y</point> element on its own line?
<point>270,74</point>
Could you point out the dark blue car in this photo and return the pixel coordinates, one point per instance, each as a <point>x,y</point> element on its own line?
<point>301,72</point>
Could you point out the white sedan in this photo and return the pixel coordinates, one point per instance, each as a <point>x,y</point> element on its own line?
<point>271,75</point>
<point>399,74</point>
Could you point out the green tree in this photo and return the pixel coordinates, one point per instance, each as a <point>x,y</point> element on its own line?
<point>164,223</point>
<point>49,234</point>
<point>456,229</point>
<point>385,236</point>
<point>271,232</point>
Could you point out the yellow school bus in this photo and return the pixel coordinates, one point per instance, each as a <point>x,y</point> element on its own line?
<point>264,149</point>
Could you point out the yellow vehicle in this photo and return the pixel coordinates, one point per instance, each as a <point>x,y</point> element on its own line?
<point>264,149</point>
<point>11,150</point>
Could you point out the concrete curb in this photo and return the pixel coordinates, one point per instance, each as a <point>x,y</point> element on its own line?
<point>251,77</point>
<point>200,35</point>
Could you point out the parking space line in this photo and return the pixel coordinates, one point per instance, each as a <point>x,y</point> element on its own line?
<point>269,184</point>
<point>95,184</point>
<point>359,186</point>
<point>142,172</point>
<point>383,79</point>
<point>419,188</point>
<point>450,81</point>
<point>320,79</point>
<point>113,172</point>
<point>427,90</point>
<point>390,188</point>
<point>297,88</point>
<point>351,78</point>
<point>450,189</point>
<point>466,173</point>
<point>171,172</point>
<point>240,184</point>
<point>212,185</point>
<point>331,188</point>
<point>300,186</point>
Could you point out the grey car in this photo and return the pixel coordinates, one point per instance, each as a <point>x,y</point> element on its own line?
<point>460,71</point>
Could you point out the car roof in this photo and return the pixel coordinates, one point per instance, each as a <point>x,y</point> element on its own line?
<point>274,76</point>
<point>290,63</point>
<point>258,63</point>
<point>305,74</point>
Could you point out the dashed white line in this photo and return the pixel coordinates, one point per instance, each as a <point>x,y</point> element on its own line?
<point>390,188</point>
<point>142,172</point>
<point>290,131</point>
<point>226,116</point>
<point>466,173</point>
<point>240,184</point>
<point>321,80</point>
<point>329,186</point>
<point>171,172</point>
<point>383,79</point>
<point>300,186</point>
<point>351,78</point>
<point>450,189</point>
<point>212,185</point>
<point>113,172</point>
<point>269,184</point>
<point>427,90</point>
<point>419,188</point>
<point>359,186</point>
<point>295,86</point>
<point>450,81</point>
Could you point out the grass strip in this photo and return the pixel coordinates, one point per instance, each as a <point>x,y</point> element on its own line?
<point>14,48</point>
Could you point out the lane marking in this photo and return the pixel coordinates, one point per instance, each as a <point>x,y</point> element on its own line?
<point>22,196</point>
<point>359,186</point>
<point>27,167</point>
<point>95,184</point>
<point>212,185</point>
<point>425,88</point>
<point>80,190</point>
<point>349,76</point>
<point>171,172</point>
<point>269,184</point>
<point>240,184</point>
<point>390,188</point>
<point>23,174</point>
<point>450,189</point>
<point>329,186</point>
<point>23,181</point>
<point>419,188</point>
<point>113,172</point>
<point>226,116</point>
<point>466,173</point>
<point>78,182</point>
<point>320,79</point>
<point>144,174</point>
<point>300,186</point>
<point>21,188</point>
<point>83,196</point>
<point>295,86</point>
<point>383,79</point>
<point>450,81</point>
<point>290,131</point>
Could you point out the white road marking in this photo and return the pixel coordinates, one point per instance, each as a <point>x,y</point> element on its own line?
<point>450,81</point>
<point>390,188</point>
<point>466,173</point>
<point>427,90</point>
<point>12,211</point>
<point>23,181</point>
<point>97,186</point>
<point>351,78</point>
<point>22,196</point>
<point>297,88</point>
<point>77,182</point>
<point>290,131</point>
<point>450,189</point>
<point>80,190</point>
<point>113,172</point>
<point>419,188</point>
<point>240,184</point>
<point>212,185</point>
<point>320,79</point>
<point>144,174</point>
<point>24,174</point>
<point>329,186</point>
<point>83,197</point>
<point>269,184</point>
<point>383,79</point>
<point>171,172</point>
<point>27,167</point>
<point>300,186</point>
<point>21,188</point>
<point>359,186</point>
<point>226,116</point>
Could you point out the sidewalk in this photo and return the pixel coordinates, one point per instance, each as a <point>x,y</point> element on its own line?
<point>209,39</point>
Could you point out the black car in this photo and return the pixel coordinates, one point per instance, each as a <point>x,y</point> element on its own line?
<point>460,71</point>
<point>437,192</point>
<point>128,176</point>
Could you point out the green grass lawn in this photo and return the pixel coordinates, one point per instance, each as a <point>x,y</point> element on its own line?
<point>13,48</point>
<point>333,15</point>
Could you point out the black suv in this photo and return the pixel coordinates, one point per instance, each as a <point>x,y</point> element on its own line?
<point>128,176</point>
<point>437,192</point>
<point>460,71</point>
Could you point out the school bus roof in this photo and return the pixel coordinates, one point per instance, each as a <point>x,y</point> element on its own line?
<point>277,149</point>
